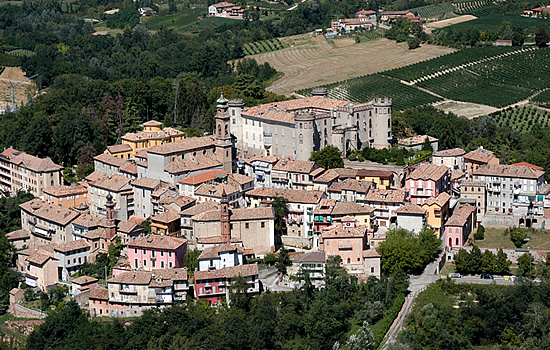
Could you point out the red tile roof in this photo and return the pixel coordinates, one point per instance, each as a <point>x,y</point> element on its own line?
<point>49,212</point>
<point>204,177</point>
<point>536,167</point>
<point>460,215</point>
<point>228,272</point>
<point>411,208</point>
<point>64,191</point>
<point>154,241</point>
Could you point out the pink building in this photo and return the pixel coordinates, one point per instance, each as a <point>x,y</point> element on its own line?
<point>156,252</point>
<point>214,286</point>
<point>427,181</point>
<point>459,226</point>
<point>347,239</point>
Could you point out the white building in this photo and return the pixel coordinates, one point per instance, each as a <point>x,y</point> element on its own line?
<point>70,257</point>
<point>218,257</point>
<point>451,158</point>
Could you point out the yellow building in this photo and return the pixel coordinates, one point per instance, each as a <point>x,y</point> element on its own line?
<point>438,211</point>
<point>382,178</point>
<point>152,135</point>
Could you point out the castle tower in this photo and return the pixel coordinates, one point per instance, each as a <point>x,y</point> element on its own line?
<point>226,225</point>
<point>110,229</point>
<point>224,145</point>
<point>305,128</point>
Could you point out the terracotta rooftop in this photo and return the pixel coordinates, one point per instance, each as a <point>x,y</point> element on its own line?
<point>243,214</point>
<point>39,258</point>
<point>129,167</point>
<point>19,234</point>
<point>480,155</point>
<point>416,140</point>
<point>440,200</point>
<point>86,220</point>
<point>215,240</point>
<point>390,196</point>
<point>159,192</point>
<point>454,152</point>
<point>49,212</point>
<point>326,177</point>
<point>179,201</point>
<point>266,159</point>
<point>203,177</point>
<point>142,154</point>
<point>109,159</point>
<point>119,148</point>
<point>184,145</point>
<point>228,272</point>
<point>339,231</point>
<point>154,241</point>
<point>152,123</point>
<point>311,257</point>
<point>351,208</point>
<point>82,280</point>
<point>370,253</point>
<point>456,175</point>
<point>200,208</point>
<point>128,227</point>
<point>95,176</point>
<point>115,183</point>
<point>460,215</point>
<point>180,166</point>
<point>522,172</point>
<point>165,278</point>
<point>152,135</point>
<point>73,245</point>
<point>295,166</point>
<point>9,153</point>
<point>95,234</point>
<point>359,186</point>
<point>63,191</point>
<point>132,277</point>
<point>241,179</point>
<point>325,207</point>
<point>215,190</point>
<point>34,163</point>
<point>536,167</point>
<point>411,208</point>
<point>293,196</point>
<point>146,183</point>
<point>170,215</point>
<point>384,174</point>
<point>214,252</point>
<point>98,293</point>
<point>427,171</point>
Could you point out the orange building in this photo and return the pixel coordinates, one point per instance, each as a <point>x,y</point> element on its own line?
<point>66,196</point>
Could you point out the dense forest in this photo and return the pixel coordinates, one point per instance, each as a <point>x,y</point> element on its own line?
<point>304,319</point>
<point>464,316</point>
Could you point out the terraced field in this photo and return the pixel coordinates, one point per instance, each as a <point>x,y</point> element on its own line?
<point>443,10</point>
<point>542,99</point>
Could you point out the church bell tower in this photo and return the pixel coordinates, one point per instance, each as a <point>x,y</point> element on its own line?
<point>224,145</point>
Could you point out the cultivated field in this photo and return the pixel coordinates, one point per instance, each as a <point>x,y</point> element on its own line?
<point>465,109</point>
<point>22,91</point>
<point>319,63</point>
<point>447,22</point>
<point>523,118</point>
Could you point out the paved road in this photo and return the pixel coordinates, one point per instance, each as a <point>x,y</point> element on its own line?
<point>418,284</point>
<point>269,278</point>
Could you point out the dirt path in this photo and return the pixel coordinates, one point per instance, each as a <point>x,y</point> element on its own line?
<point>318,62</point>
<point>447,22</point>
<point>22,90</point>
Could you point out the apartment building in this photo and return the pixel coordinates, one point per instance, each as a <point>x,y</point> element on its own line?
<point>427,181</point>
<point>295,128</point>
<point>220,256</point>
<point>383,179</point>
<point>143,190</point>
<point>5,170</point>
<point>412,217</point>
<point>510,188</point>
<point>39,267</point>
<point>67,196</point>
<point>47,223</point>
<point>350,190</point>
<point>214,286</point>
<point>346,239</point>
<point>385,203</point>
<point>295,174</point>
<point>459,226</point>
<point>120,189</point>
<point>189,185</point>
<point>34,174</point>
<point>156,252</point>
<point>438,210</point>
<point>478,158</point>
<point>260,168</point>
<point>451,158</point>
<point>474,193</point>
<point>70,258</point>
<point>311,263</point>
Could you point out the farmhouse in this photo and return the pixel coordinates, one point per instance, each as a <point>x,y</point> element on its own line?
<point>226,10</point>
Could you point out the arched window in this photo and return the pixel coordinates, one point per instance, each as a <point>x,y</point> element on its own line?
<point>349,260</point>
<point>219,130</point>
<point>456,241</point>
<point>226,129</point>
<point>389,123</point>
<point>370,123</point>
<point>450,242</point>
<point>301,139</point>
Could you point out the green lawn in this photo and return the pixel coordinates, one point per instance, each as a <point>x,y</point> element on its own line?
<point>495,238</point>
<point>100,27</point>
<point>448,268</point>
<point>187,20</point>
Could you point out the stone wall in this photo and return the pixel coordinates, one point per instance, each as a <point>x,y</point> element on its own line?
<point>504,221</point>
<point>299,242</point>
<point>19,310</point>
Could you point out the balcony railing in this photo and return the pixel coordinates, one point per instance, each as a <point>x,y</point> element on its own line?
<point>268,139</point>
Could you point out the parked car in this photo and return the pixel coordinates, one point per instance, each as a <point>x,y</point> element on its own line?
<point>455,275</point>
<point>486,276</point>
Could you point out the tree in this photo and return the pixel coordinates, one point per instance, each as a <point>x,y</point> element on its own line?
<point>413,43</point>
<point>191,260</point>
<point>400,158</point>
<point>329,157</point>
<point>488,262</point>
<point>502,264</point>
<point>541,38</point>
<point>480,233</point>
<point>517,39</point>
<point>427,145</point>
<point>280,207</point>
<point>462,261</point>
<point>283,261</point>
<point>526,265</point>
<point>517,235</point>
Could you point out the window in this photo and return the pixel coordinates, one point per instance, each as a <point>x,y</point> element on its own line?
<point>169,254</point>
<point>162,253</point>
<point>246,225</point>
<point>263,224</point>
<point>153,263</point>
<point>162,264</point>
<point>301,137</point>
<point>170,264</point>
<point>135,251</point>
<point>144,262</point>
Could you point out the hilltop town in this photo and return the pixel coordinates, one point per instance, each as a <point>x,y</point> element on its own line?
<point>274,175</point>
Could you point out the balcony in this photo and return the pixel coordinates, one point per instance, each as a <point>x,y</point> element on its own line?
<point>127,291</point>
<point>268,140</point>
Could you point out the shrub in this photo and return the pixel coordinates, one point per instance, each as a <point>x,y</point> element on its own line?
<point>480,233</point>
